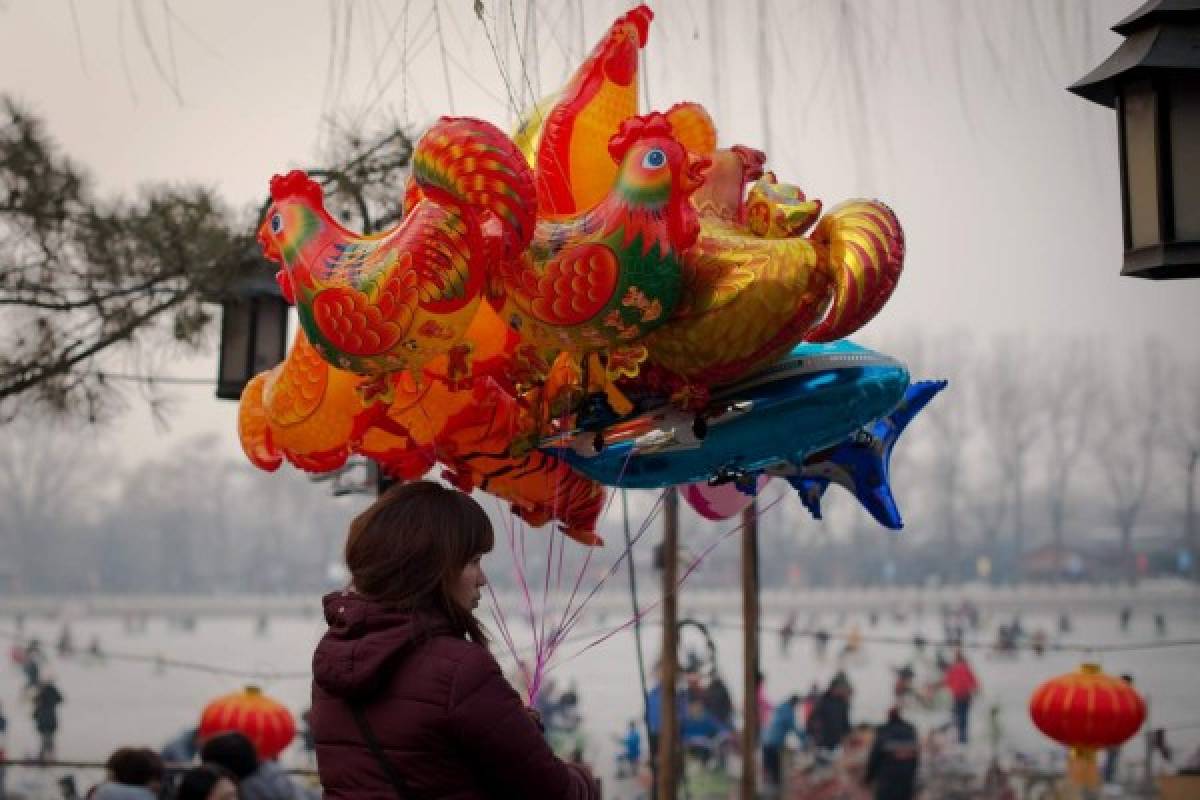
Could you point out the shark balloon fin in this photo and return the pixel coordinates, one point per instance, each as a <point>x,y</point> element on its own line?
<point>862,464</point>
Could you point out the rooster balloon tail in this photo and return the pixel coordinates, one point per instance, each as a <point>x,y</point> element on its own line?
<point>472,163</point>
<point>865,247</point>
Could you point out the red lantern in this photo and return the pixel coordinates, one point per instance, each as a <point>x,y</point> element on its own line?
<point>268,724</point>
<point>1087,711</point>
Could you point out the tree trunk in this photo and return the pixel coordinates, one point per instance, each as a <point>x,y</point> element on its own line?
<point>1127,553</point>
<point>1057,520</point>
<point>1189,519</point>
<point>1018,565</point>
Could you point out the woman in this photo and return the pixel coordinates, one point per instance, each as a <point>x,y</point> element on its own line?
<point>407,700</point>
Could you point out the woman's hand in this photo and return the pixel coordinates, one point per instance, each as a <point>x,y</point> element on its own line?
<point>536,716</point>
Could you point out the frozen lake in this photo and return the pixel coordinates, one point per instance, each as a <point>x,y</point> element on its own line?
<point>121,703</point>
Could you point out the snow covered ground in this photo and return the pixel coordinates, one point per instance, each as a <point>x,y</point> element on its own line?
<point>120,703</point>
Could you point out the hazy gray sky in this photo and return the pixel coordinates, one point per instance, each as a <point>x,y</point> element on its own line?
<point>949,110</point>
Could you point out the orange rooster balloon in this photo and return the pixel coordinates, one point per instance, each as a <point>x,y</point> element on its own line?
<point>313,415</point>
<point>394,300</point>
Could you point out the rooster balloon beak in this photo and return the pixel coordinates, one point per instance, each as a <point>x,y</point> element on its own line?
<point>697,170</point>
<point>267,244</point>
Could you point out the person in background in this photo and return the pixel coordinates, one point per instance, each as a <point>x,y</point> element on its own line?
<point>66,643</point>
<point>31,664</point>
<point>257,780</point>
<point>829,721</point>
<point>701,735</point>
<point>630,756</point>
<point>787,633</point>
<point>764,705</point>
<point>903,688</point>
<point>133,773</point>
<point>782,723</point>
<point>207,782</point>
<point>3,751</point>
<point>182,749</point>
<point>963,686</point>
<point>718,700</point>
<point>46,700</point>
<point>821,643</point>
<point>307,742</point>
<point>892,763</point>
<point>1112,756</point>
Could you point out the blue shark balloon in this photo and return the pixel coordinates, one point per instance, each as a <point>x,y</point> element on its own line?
<point>862,463</point>
<point>770,422</point>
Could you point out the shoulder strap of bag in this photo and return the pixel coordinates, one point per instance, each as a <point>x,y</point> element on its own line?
<point>402,789</point>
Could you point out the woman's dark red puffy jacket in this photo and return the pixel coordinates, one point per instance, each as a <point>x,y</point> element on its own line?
<point>444,714</point>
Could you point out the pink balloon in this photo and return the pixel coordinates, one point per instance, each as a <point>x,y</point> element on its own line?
<point>718,502</point>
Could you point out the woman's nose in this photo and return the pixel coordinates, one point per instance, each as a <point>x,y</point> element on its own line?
<point>482,578</point>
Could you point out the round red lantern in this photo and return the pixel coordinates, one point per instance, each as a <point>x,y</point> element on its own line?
<point>267,723</point>
<point>1087,710</point>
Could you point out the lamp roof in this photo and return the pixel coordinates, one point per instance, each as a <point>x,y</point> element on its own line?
<point>1162,36</point>
<point>1154,12</point>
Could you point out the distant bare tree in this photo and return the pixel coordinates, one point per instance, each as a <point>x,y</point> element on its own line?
<point>1011,427</point>
<point>46,482</point>
<point>1183,426</point>
<point>1130,417</point>
<point>950,423</point>
<point>1067,392</point>
<point>988,511</point>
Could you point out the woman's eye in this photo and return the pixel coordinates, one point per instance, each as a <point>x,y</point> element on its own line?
<point>276,223</point>
<point>654,159</point>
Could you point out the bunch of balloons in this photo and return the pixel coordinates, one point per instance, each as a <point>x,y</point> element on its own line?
<point>561,308</point>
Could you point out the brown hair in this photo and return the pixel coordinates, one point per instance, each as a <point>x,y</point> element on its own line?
<point>409,546</point>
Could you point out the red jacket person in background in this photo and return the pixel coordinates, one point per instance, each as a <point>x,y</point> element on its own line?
<point>407,699</point>
<point>963,686</point>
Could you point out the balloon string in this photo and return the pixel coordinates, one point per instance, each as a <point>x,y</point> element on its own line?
<point>501,621</point>
<point>626,553</point>
<point>522,581</point>
<point>691,567</point>
<point>561,634</point>
<point>588,559</point>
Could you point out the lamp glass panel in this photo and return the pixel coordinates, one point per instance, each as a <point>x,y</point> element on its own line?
<point>1140,107</point>
<point>1185,157</point>
<point>235,340</point>
<point>270,332</point>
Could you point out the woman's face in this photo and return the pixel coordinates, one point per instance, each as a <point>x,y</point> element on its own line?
<point>223,789</point>
<point>466,590</point>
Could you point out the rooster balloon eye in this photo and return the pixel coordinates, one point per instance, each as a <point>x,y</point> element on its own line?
<point>654,159</point>
<point>276,224</point>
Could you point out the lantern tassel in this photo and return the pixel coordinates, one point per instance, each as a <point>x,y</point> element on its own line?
<point>1081,768</point>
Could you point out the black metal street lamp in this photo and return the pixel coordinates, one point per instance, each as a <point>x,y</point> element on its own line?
<point>254,319</point>
<point>1153,82</point>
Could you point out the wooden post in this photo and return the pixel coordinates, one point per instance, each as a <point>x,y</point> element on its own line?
<point>751,722</point>
<point>668,733</point>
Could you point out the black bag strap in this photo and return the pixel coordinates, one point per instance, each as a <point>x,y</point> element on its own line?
<point>402,789</point>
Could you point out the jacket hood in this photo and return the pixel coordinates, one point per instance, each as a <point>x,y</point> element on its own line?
<point>365,640</point>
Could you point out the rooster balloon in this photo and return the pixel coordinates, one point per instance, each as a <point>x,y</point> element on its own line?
<point>392,301</point>
<point>578,306</point>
